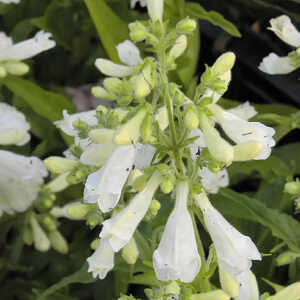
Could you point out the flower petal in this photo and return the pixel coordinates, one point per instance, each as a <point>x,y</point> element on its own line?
<point>245,111</point>
<point>129,54</point>
<point>111,69</point>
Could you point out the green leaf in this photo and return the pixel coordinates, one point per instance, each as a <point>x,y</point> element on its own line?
<point>238,205</point>
<point>290,155</point>
<point>195,10</point>
<point>46,104</point>
<point>111,29</point>
<point>148,279</point>
<point>81,276</point>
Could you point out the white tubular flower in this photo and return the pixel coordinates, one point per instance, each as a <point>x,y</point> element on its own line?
<point>129,54</point>
<point>13,126</point>
<point>9,1</point>
<point>66,124</point>
<point>291,292</point>
<point>179,47</point>
<point>285,30</point>
<point>275,65</point>
<point>144,155</point>
<point>177,257</point>
<point>26,49</point>
<point>242,131</point>
<point>212,182</point>
<point>155,9</point>
<point>102,260</point>
<point>143,3</point>
<point>198,144</point>
<point>120,228</point>
<point>235,251</point>
<point>105,186</point>
<point>248,286</point>
<point>244,111</point>
<point>20,181</point>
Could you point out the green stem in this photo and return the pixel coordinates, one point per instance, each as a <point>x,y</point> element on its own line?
<point>169,104</point>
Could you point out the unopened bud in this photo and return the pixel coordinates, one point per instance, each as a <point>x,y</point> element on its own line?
<point>95,244</point>
<point>213,295</point>
<point>172,289</point>
<point>179,47</point>
<point>58,242</point>
<point>49,223</point>
<point>167,185</point>
<point>138,32</point>
<point>292,188</point>
<point>286,258</point>
<point>58,165</point>
<point>186,25</point>
<point>113,84</point>
<point>191,120</point>
<point>147,127</point>
<point>101,135</point>
<point>247,151</point>
<point>130,131</point>
<point>16,68</point>
<point>94,219</point>
<point>143,83</point>
<point>224,63</point>
<point>27,236</point>
<point>162,118</point>
<point>155,10</point>
<point>40,239</point>
<point>77,210</point>
<point>228,283</point>
<point>100,92</point>
<point>130,252</point>
<point>59,183</point>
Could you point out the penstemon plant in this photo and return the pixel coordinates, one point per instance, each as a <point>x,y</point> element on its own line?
<point>151,163</point>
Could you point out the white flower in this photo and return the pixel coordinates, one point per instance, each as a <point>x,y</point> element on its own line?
<point>245,111</point>
<point>120,228</point>
<point>177,257</point>
<point>235,251</point>
<point>248,286</point>
<point>285,30</point>
<point>66,124</point>
<point>105,186</point>
<point>102,260</point>
<point>9,1</point>
<point>273,65</point>
<point>13,126</point>
<point>20,181</point>
<point>26,49</point>
<point>143,156</point>
<point>211,181</point>
<point>129,54</point>
<point>143,3</point>
<point>155,9</point>
<point>242,131</point>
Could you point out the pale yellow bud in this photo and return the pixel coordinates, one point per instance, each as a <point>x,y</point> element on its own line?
<point>173,288</point>
<point>191,120</point>
<point>213,295</point>
<point>40,239</point>
<point>247,151</point>
<point>58,242</point>
<point>16,68</point>
<point>130,131</point>
<point>167,185</point>
<point>179,47</point>
<point>59,183</point>
<point>292,188</point>
<point>58,165</point>
<point>224,63</point>
<point>77,210</point>
<point>101,135</point>
<point>228,283</point>
<point>147,127</point>
<point>155,9</point>
<point>12,137</point>
<point>95,244</point>
<point>162,118</point>
<point>186,25</point>
<point>143,83</point>
<point>138,32</point>
<point>100,92</point>
<point>113,84</point>
<point>130,252</point>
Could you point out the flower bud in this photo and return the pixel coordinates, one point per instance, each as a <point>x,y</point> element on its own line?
<point>130,131</point>
<point>59,183</point>
<point>186,25</point>
<point>40,239</point>
<point>228,283</point>
<point>213,295</point>
<point>179,47</point>
<point>101,135</point>
<point>143,83</point>
<point>100,92</point>
<point>153,210</point>
<point>16,68</point>
<point>286,258</point>
<point>95,244</point>
<point>173,288</point>
<point>130,252</point>
<point>3,72</point>
<point>58,165</point>
<point>94,219</point>
<point>220,149</point>
<point>58,242</point>
<point>27,236</point>
<point>224,63</point>
<point>77,210</point>
<point>293,188</point>
<point>191,120</point>
<point>138,32</point>
<point>162,118</point>
<point>49,223</point>
<point>155,10</point>
<point>247,151</point>
<point>147,127</point>
<point>167,185</point>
